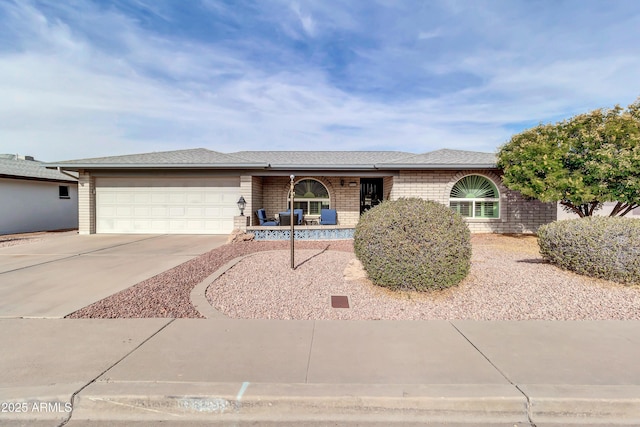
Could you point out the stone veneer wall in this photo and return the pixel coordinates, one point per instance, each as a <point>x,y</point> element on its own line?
<point>517,214</point>
<point>345,199</point>
<point>86,203</point>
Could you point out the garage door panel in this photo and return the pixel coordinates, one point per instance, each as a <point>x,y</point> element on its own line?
<point>125,197</point>
<point>141,198</point>
<point>196,198</point>
<point>166,205</point>
<point>159,225</point>
<point>141,211</point>
<point>229,198</point>
<point>196,212</point>
<point>231,211</point>
<point>177,198</point>
<point>157,198</point>
<point>159,211</point>
<point>124,211</point>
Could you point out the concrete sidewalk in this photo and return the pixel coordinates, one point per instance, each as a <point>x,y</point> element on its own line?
<point>263,372</point>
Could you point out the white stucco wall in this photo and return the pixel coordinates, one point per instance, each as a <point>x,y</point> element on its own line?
<point>605,211</point>
<point>29,205</point>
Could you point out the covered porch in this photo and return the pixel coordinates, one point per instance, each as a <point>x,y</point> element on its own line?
<point>348,195</point>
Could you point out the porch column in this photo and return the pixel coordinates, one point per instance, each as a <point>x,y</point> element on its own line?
<point>240,222</point>
<point>86,203</point>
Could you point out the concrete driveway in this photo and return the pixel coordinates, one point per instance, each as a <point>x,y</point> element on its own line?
<point>58,276</point>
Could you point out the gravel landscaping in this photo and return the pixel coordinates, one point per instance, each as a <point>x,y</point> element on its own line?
<point>38,236</point>
<point>508,281</point>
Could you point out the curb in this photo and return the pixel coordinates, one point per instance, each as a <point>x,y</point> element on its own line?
<point>584,404</point>
<point>301,403</point>
<point>342,404</point>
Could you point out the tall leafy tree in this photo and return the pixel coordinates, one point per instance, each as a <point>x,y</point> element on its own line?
<point>582,162</point>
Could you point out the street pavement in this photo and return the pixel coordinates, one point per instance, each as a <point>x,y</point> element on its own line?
<point>219,371</point>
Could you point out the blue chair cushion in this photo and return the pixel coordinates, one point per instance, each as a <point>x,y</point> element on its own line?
<point>328,217</point>
<point>262,217</point>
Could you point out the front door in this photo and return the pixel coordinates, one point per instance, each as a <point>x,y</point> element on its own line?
<point>370,193</point>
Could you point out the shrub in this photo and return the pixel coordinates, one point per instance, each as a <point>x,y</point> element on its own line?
<point>604,247</point>
<point>413,244</point>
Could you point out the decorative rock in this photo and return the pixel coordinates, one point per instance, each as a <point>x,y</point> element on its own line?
<point>238,235</point>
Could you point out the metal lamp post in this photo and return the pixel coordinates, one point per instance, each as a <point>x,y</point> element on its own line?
<point>292,177</point>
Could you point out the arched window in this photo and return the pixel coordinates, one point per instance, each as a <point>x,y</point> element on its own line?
<point>310,195</point>
<point>475,196</point>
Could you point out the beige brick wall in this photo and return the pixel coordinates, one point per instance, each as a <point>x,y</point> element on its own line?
<point>240,222</point>
<point>387,187</point>
<point>86,203</point>
<point>256,198</point>
<point>251,190</point>
<point>517,214</point>
<point>345,199</point>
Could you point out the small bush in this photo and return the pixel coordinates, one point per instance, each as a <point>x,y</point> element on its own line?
<point>604,247</point>
<point>413,244</point>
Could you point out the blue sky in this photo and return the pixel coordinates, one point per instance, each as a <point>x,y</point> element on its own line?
<point>85,79</point>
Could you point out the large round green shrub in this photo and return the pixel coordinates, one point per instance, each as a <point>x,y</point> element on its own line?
<point>413,244</point>
<point>604,247</point>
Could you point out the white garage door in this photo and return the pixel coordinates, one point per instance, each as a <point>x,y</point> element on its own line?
<point>166,205</point>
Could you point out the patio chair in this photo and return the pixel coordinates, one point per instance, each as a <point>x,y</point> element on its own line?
<point>299,213</point>
<point>262,217</point>
<point>285,218</point>
<point>328,217</point>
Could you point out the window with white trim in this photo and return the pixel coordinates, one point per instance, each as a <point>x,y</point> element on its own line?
<point>475,196</point>
<point>311,196</point>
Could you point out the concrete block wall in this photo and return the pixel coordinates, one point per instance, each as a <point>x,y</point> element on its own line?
<point>517,214</point>
<point>86,203</point>
<point>345,199</point>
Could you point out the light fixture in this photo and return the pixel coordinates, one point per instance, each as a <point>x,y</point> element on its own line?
<point>242,203</point>
<point>342,183</point>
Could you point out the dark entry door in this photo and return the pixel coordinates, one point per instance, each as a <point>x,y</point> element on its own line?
<point>370,193</point>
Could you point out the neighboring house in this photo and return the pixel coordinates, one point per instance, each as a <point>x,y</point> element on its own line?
<point>196,191</point>
<point>35,198</point>
<point>604,211</point>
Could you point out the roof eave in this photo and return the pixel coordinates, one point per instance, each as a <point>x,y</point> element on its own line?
<point>321,167</point>
<point>36,178</point>
<point>77,166</point>
<point>437,166</point>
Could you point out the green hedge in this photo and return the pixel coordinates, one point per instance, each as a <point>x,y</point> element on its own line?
<point>604,247</point>
<point>413,244</point>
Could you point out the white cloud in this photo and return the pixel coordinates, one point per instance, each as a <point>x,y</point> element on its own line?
<point>94,82</point>
<point>306,21</point>
<point>427,35</point>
